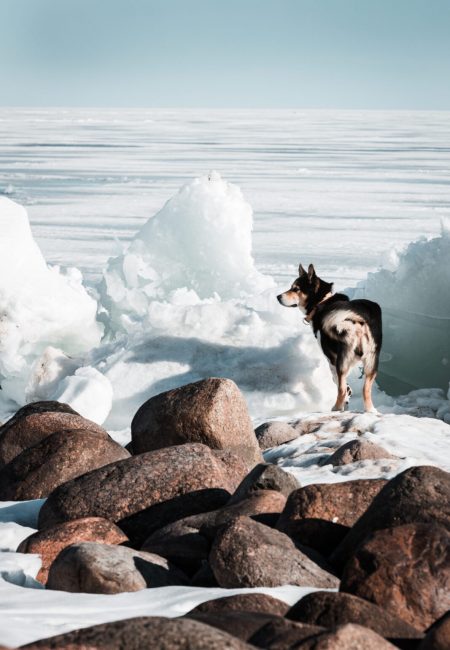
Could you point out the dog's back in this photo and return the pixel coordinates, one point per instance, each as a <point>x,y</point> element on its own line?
<point>350,331</point>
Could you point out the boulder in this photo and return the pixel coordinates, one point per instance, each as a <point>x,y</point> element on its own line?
<point>438,635</point>
<point>187,541</point>
<point>330,609</point>
<point>49,543</point>
<point>243,624</point>
<point>191,475</point>
<point>320,515</point>
<point>346,637</point>
<point>341,503</point>
<point>204,577</point>
<point>272,434</point>
<point>281,634</point>
<point>419,494</point>
<point>357,450</point>
<point>405,570</point>
<point>144,632</point>
<point>318,534</point>
<point>180,542</point>
<point>211,411</point>
<point>265,477</point>
<point>90,567</point>
<point>30,426</point>
<point>58,458</point>
<point>261,603</point>
<point>246,553</point>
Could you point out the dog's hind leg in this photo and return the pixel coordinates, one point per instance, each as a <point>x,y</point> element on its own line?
<point>336,381</point>
<point>342,370</point>
<point>367,392</point>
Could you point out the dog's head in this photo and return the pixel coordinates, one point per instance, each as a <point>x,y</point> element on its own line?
<point>306,291</point>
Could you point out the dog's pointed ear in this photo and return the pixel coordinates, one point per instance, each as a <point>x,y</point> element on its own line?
<point>311,272</point>
<point>301,271</point>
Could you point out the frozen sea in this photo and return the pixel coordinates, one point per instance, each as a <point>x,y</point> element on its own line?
<point>186,289</point>
<point>337,188</point>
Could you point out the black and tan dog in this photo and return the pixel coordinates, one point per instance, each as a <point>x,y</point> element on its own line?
<point>350,330</point>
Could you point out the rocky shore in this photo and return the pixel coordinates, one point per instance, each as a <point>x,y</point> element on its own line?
<point>191,502</point>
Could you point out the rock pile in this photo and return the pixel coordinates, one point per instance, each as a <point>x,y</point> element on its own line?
<point>194,505</point>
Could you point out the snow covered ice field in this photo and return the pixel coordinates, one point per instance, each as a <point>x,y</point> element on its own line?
<point>191,291</point>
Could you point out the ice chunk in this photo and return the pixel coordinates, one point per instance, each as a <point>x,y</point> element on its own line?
<point>415,297</point>
<point>39,305</point>
<point>200,239</point>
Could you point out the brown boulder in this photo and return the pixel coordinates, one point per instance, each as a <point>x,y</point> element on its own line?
<point>144,632</point>
<point>128,487</point>
<point>419,494</point>
<point>187,541</point>
<point>357,450</point>
<point>261,603</point>
<point>266,477</point>
<point>438,635</point>
<point>246,553</point>
<point>320,515</point>
<point>211,411</point>
<point>38,470</point>
<point>243,624</point>
<point>272,434</point>
<point>90,567</point>
<point>346,637</point>
<point>49,543</point>
<point>406,570</point>
<point>32,426</point>
<point>331,609</point>
<point>281,634</point>
<point>341,503</point>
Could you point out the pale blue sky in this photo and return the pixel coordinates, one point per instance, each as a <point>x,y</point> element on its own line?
<point>226,53</point>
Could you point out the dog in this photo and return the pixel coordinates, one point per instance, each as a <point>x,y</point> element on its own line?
<point>350,330</point>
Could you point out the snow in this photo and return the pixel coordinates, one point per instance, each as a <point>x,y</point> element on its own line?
<point>416,441</point>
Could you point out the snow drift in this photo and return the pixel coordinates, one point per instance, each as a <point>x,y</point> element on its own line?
<point>47,319</point>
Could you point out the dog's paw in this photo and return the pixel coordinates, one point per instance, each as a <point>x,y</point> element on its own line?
<point>372,410</point>
<point>338,408</point>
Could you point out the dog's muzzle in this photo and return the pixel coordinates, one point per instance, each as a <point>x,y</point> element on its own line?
<point>281,301</point>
